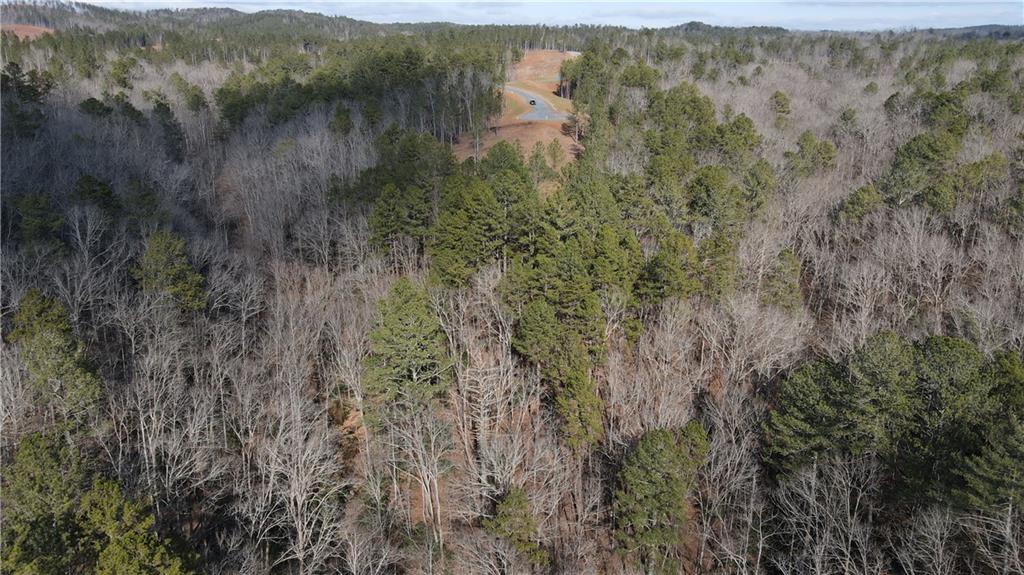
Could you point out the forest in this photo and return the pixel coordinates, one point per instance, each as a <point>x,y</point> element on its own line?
<point>259,318</point>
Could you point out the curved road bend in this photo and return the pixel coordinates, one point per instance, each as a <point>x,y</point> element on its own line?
<point>542,111</point>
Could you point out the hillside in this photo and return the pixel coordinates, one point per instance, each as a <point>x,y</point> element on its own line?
<point>292,294</point>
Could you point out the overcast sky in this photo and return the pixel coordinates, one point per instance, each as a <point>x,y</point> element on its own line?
<point>800,15</point>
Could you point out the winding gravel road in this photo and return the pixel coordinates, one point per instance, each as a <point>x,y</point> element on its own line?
<point>542,111</point>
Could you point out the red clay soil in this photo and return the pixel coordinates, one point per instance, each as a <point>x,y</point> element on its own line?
<point>541,68</point>
<point>24,31</point>
<point>537,70</point>
<point>527,134</point>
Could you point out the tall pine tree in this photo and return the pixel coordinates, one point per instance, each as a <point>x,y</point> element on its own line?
<point>408,361</point>
<point>650,501</point>
<point>468,232</point>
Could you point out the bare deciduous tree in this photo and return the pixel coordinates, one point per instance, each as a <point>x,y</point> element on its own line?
<point>926,544</point>
<point>824,515</point>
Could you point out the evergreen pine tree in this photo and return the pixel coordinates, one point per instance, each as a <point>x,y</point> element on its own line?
<point>467,234</point>
<point>174,135</point>
<point>408,359</point>
<point>994,478</point>
<point>99,193</point>
<point>805,421</point>
<point>564,364</point>
<point>514,521</point>
<point>400,214</point>
<point>576,303</point>
<point>164,268</point>
<point>537,336</point>
<point>714,198</point>
<point>55,360</point>
<point>578,404</point>
<point>538,165</point>
<point>39,221</point>
<point>121,532</point>
<point>956,408</point>
<point>41,491</point>
<point>671,272</point>
<point>758,185</point>
<point>617,259</point>
<point>1007,373</point>
<point>504,156</point>
<point>650,501</point>
<point>520,211</point>
<point>882,397</point>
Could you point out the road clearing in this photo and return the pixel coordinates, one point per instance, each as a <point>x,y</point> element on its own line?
<point>535,77</point>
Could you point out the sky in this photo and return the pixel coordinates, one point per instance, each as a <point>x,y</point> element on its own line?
<point>796,15</point>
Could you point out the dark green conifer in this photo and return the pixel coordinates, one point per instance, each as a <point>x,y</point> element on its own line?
<point>650,502</point>
<point>408,359</point>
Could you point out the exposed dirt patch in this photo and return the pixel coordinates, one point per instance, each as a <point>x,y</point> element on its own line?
<point>541,67</point>
<point>24,31</point>
<point>527,134</point>
<point>537,73</point>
